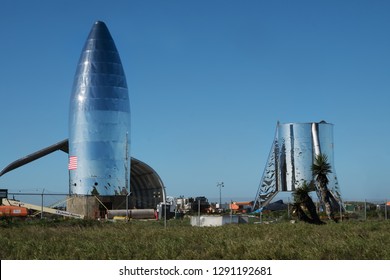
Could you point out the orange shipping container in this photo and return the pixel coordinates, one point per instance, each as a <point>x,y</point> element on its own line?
<point>12,211</point>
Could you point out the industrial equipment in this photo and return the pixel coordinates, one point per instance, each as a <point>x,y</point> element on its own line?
<point>18,208</point>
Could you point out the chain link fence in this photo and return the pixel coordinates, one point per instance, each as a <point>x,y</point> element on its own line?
<point>368,209</point>
<point>40,201</point>
<point>353,210</point>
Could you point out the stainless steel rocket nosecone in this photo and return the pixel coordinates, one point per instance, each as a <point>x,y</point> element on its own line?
<point>99,119</point>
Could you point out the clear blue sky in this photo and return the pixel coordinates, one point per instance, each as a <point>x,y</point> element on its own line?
<point>208,80</point>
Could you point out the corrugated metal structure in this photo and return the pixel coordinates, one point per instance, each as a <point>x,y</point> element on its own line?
<point>147,188</point>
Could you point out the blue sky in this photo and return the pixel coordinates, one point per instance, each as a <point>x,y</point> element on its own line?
<point>208,80</point>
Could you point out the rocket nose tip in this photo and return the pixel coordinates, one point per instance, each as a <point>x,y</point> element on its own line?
<point>99,31</point>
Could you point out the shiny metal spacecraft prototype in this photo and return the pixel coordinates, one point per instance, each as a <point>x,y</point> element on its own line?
<point>99,119</point>
<point>291,157</point>
<point>99,130</point>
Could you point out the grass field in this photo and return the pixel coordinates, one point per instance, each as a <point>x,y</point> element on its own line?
<point>74,239</point>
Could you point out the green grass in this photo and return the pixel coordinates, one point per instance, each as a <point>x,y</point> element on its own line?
<point>95,240</point>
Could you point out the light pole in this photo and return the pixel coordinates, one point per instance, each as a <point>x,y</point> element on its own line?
<point>220,185</point>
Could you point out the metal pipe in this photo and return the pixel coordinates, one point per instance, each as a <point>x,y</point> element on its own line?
<point>132,213</point>
<point>316,141</point>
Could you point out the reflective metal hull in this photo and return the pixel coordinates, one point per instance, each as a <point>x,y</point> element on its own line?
<point>99,120</point>
<point>291,158</point>
<point>299,143</point>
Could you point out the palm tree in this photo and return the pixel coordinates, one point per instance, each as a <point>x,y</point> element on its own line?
<point>303,200</point>
<point>321,168</point>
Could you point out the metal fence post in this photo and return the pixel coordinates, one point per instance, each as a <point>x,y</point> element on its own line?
<point>365,209</point>
<point>341,212</point>
<point>288,208</point>
<point>199,212</point>
<point>42,203</point>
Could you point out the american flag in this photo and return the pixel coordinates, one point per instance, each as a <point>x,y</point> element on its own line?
<point>72,163</point>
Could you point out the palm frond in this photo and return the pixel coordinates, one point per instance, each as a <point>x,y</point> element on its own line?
<point>321,166</point>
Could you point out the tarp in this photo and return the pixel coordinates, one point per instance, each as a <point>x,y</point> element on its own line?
<point>276,206</point>
<point>258,211</point>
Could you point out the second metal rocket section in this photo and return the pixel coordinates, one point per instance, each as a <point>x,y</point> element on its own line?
<point>291,158</point>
